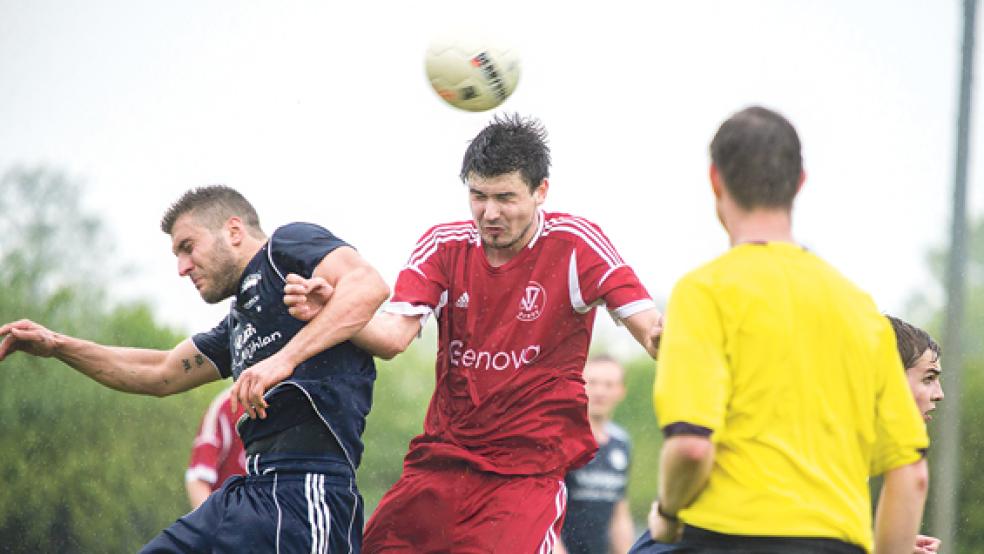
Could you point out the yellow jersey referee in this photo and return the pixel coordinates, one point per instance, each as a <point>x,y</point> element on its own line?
<point>779,389</point>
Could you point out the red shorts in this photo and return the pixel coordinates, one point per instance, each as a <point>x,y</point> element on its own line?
<point>466,511</point>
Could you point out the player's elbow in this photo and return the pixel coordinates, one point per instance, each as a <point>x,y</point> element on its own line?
<point>161,383</point>
<point>160,390</point>
<point>379,290</point>
<point>917,475</point>
<point>389,349</point>
<point>693,450</point>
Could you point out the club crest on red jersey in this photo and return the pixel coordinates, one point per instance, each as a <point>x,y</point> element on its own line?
<point>533,301</point>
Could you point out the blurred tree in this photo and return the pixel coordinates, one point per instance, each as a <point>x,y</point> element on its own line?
<point>925,308</point>
<point>84,468</point>
<point>403,391</point>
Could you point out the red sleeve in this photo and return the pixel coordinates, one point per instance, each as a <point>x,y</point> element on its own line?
<point>208,446</point>
<point>422,284</point>
<point>598,275</point>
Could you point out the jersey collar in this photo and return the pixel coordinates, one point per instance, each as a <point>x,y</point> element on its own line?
<point>540,219</point>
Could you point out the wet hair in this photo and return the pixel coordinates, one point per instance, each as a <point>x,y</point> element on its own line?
<point>509,143</point>
<point>757,153</point>
<point>212,206</point>
<point>912,342</point>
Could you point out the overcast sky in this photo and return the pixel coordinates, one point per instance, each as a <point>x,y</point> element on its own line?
<point>320,111</point>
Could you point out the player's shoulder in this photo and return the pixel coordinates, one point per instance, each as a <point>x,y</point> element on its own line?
<point>568,223</point>
<point>299,230</point>
<point>463,226</point>
<point>218,407</point>
<point>222,400</point>
<point>454,232</point>
<point>578,231</point>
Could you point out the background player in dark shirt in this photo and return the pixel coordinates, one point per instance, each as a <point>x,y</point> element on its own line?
<point>303,450</point>
<point>598,519</point>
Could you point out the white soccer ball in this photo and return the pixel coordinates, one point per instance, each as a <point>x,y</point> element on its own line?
<point>472,74</point>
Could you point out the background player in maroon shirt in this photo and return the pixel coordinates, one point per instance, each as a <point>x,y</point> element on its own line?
<point>513,291</point>
<point>218,452</point>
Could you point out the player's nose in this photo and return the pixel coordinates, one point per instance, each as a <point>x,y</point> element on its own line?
<point>184,266</point>
<point>491,212</point>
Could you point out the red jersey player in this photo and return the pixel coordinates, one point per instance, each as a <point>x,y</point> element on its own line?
<point>218,451</point>
<point>513,291</point>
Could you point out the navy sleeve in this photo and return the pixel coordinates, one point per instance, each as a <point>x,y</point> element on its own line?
<point>300,247</point>
<point>214,345</point>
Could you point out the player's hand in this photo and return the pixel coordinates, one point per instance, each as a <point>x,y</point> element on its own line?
<point>662,529</point>
<point>926,545</point>
<point>306,297</point>
<point>657,331</point>
<point>653,336</point>
<point>26,336</point>
<point>252,383</point>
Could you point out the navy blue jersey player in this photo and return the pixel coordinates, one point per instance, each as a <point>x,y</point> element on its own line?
<point>594,493</point>
<point>598,519</point>
<point>306,389</point>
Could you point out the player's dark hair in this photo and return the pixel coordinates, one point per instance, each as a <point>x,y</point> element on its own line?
<point>912,342</point>
<point>757,153</point>
<point>509,143</point>
<point>212,206</point>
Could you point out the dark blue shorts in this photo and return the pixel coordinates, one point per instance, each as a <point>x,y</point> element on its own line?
<point>282,506</point>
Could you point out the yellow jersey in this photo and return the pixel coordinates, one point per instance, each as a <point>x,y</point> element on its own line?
<point>797,375</point>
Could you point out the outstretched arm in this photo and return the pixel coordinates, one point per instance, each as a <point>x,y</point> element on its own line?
<point>386,334</point>
<point>135,370</point>
<point>358,291</point>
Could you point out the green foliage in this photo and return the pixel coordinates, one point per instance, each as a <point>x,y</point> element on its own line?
<point>970,527</point>
<point>85,468</point>
<point>403,390</point>
<point>636,415</point>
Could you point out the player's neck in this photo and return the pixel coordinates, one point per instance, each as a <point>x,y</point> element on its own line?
<point>598,425</point>
<point>500,256</point>
<point>247,251</point>
<point>760,226</point>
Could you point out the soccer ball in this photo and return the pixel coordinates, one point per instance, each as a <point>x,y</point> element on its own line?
<point>472,74</point>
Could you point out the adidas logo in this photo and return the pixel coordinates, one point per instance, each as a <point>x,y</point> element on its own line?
<point>462,301</point>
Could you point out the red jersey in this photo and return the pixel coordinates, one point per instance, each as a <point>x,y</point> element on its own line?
<point>218,451</point>
<point>513,339</point>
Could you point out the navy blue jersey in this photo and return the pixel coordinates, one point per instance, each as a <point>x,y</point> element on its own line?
<point>593,491</point>
<point>334,386</point>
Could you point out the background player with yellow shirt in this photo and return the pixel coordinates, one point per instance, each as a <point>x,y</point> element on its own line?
<point>779,388</point>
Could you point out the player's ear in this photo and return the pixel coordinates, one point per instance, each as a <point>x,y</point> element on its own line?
<point>235,230</point>
<point>802,179</point>
<point>717,186</point>
<point>540,192</point>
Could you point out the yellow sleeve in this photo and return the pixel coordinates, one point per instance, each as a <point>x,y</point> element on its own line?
<point>901,433</point>
<point>693,380</point>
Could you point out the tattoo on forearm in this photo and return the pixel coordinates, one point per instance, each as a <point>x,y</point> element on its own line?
<point>187,364</point>
<point>199,359</point>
